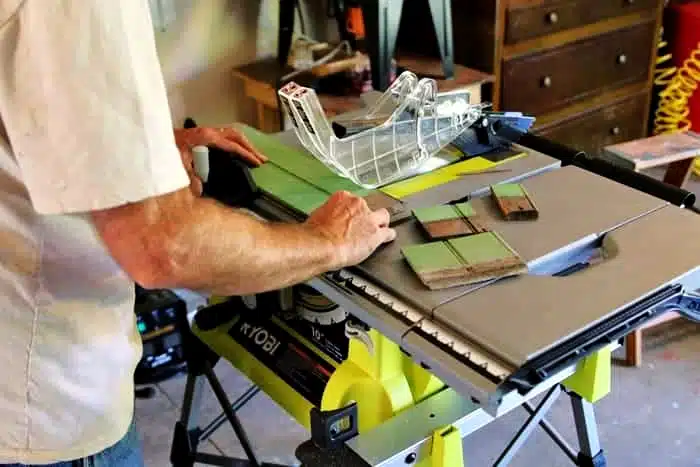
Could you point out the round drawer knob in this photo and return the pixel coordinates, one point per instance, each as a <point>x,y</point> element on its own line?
<point>615,131</point>
<point>546,82</point>
<point>622,59</point>
<point>630,2</point>
<point>553,17</point>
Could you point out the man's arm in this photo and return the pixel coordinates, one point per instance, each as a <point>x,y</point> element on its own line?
<point>84,105</point>
<point>180,240</point>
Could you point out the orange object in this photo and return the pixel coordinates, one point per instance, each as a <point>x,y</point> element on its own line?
<point>354,22</point>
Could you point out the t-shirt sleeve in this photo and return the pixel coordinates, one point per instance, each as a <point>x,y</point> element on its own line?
<point>84,104</point>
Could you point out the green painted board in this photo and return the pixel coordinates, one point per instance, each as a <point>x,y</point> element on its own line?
<point>443,212</point>
<point>429,257</point>
<point>481,248</point>
<point>507,190</point>
<point>465,209</point>
<point>300,163</point>
<point>289,189</point>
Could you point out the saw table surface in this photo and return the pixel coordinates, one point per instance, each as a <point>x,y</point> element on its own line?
<point>513,320</point>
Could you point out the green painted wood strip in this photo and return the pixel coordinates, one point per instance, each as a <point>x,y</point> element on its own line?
<point>465,209</point>
<point>288,189</point>
<point>300,163</point>
<point>481,248</point>
<point>508,190</point>
<point>428,257</point>
<point>443,212</point>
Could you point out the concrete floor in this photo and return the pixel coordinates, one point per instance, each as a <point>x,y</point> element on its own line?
<point>651,418</point>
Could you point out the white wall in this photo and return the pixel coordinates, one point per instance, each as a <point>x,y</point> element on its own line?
<point>206,39</point>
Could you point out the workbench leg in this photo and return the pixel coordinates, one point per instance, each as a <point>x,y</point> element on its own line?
<point>590,452</point>
<point>536,418</point>
<point>633,348</point>
<point>183,450</point>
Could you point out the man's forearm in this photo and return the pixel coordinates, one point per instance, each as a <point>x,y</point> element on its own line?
<point>227,252</point>
<point>180,240</point>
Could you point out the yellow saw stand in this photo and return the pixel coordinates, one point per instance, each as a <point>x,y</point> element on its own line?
<point>381,384</point>
<point>425,369</point>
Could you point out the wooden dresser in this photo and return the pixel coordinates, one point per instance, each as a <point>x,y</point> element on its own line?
<point>584,68</point>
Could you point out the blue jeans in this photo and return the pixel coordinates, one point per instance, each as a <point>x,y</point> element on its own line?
<point>126,453</point>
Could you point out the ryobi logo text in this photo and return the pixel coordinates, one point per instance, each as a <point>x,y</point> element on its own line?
<point>261,337</point>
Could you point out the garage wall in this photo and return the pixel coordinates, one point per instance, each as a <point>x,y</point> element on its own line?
<point>201,40</point>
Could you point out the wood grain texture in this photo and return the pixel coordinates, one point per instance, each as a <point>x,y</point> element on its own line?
<point>462,261</point>
<point>546,81</point>
<point>527,20</point>
<point>601,126</point>
<point>514,202</point>
<point>449,220</point>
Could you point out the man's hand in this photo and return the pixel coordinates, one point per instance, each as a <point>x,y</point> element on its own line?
<point>226,139</point>
<point>353,230</point>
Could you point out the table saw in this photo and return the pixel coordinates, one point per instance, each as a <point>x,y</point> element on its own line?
<point>383,371</point>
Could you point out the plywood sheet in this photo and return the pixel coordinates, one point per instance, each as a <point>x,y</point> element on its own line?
<point>288,189</point>
<point>521,317</point>
<point>299,162</point>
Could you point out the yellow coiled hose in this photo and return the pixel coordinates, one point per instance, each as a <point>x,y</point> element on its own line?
<point>672,111</point>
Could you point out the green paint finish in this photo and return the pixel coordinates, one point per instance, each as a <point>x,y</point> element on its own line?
<point>299,162</point>
<point>481,248</point>
<point>508,190</point>
<point>289,189</point>
<point>465,209</point>
<point>428,257</point>
<point>444,212</point>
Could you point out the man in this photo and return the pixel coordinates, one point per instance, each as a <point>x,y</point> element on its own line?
<point>94,196</point>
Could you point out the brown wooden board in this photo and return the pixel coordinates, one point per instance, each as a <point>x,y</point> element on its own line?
<point>514,202</point>
<point>448,221</point>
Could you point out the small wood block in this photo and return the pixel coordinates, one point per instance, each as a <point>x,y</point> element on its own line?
<point>476,222</point>
<point>514,202</point>
<point>448,221</point>
<point>435,264</point>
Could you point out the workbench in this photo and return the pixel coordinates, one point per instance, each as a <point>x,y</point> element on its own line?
<point>426,368</point>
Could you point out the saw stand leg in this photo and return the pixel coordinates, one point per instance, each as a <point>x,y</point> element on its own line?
<point>188,434</point>
<point>589,384</point>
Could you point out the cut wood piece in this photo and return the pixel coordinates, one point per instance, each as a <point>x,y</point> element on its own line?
<point>435,264</point>
<point>514,202</point>
<point>487,256</point>
<point>448,221</point>
<point>447,229</point>
<point>444,221</point>
<point>463,261</point>
<point>476,223</point>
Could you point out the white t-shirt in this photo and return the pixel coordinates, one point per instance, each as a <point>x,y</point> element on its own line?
<point>84,125</point>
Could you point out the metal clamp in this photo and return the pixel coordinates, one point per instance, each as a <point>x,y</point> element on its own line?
<point>687,305</point>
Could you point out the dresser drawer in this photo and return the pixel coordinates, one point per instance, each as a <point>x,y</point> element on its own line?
<point>537,18</point>
<point>590,132</point>
<point>553,79</point>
